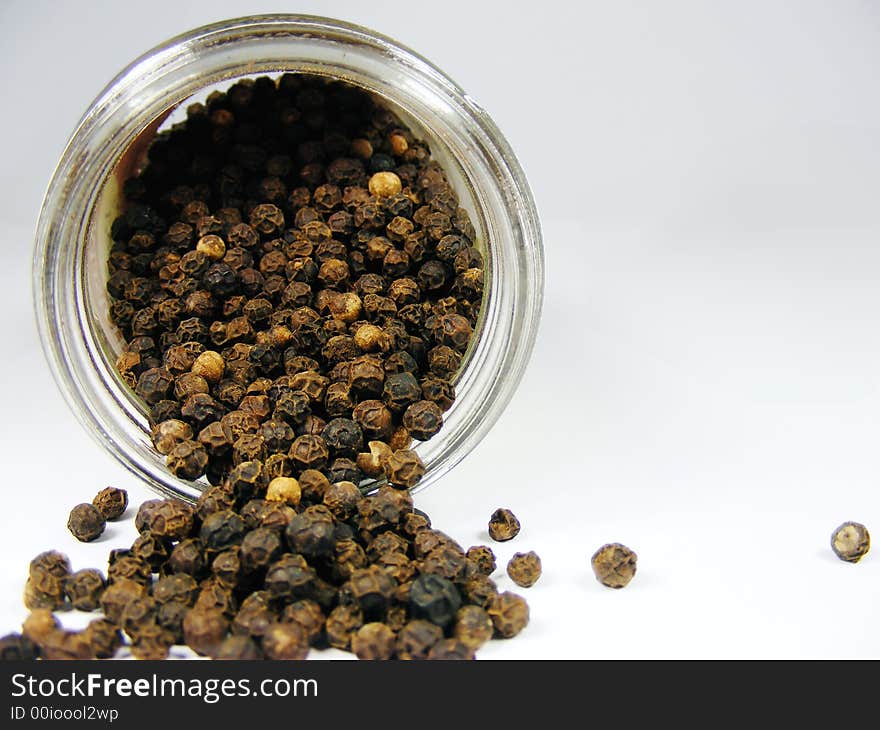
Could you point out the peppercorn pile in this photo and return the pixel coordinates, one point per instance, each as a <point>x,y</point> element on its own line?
<point>296,284</point>
<point>239,576</point>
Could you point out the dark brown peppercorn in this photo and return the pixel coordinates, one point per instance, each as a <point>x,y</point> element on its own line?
<point>177,587</point>
<point>111,502</point>
<point>308,615</point>
<point>614,565</point>
<point>204,631</point>
<point>188,557</point>
<point>103,637</point>
<point>341,625</point>
<point>851,542</point>
<point>86,523</point>
<point>451,649</point>
<point>118,595</point>
<point>84,589</point>
<point>187,460</point>
<point>423,419</point>
<point>171,519</point>
<point>404,469</point>
<point>16,648</point>
<point>416,639</point>
<point>503,525</point>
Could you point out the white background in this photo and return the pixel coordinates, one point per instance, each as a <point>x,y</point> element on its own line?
<point>705,384</point>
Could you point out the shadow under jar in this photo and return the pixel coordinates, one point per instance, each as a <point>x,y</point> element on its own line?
<point>73,240</point>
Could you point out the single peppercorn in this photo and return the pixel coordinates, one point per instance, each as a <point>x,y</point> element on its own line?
<point>451,649</point>
<point>851,542</point>
<point>503,525</point>
<point>404,469</point>
<point>86,523</point>
<point>614,565</point>
<point>524,569</point>
<point>171,519</point>
<point>111,502</point>
<point>416,639</point>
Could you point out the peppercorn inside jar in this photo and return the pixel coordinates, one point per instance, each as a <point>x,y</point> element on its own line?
<point>288,269</point>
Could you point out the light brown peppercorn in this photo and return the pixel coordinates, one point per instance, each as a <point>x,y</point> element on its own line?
<point>473,626</point>
<point>210,365</point>
<point>373,641</point>
<point>111,502</point>
<point>307,613</point>
<point>417,638</point>
<point>503,525</point>
<point>524,569</point>
<point>509,613</point>
<point>212,246</point>
<point>118,595</point>
<point>385,184</point>
<point>86,523</point>
<point>170,433</point>
<point>483,559</point>
<point>851,542</point>
<point>614,565</point>
<point>286,641</point>
<point>39,623</point>
<point>284,489</point>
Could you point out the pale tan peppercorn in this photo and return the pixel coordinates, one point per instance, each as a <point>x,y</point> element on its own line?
<point>346,307</point>
<point>212,246</point>
<point>385,184</point>
<point>210,365</point>
<point>373,464</point>
<point>851,542</point>
<point>370,338</point>
<point>284,489</point>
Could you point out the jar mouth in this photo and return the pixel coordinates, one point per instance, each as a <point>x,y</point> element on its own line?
<point>72,238</point>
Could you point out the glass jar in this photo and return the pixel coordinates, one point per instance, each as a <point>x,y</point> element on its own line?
<point>72,237</point>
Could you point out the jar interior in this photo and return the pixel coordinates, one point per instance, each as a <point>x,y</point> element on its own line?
<point>106,341</point>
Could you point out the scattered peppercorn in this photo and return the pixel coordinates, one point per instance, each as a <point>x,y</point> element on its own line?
<point>111,502</point>
<point>614,565</point>
<point>851,542</point>
<point>503,525</point>
<point>524,569</point>
<point>86,523</point>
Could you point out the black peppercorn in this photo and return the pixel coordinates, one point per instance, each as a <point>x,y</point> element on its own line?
<point>434,599</point>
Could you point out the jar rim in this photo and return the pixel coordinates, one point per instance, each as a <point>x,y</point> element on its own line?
<point>133,98</point>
